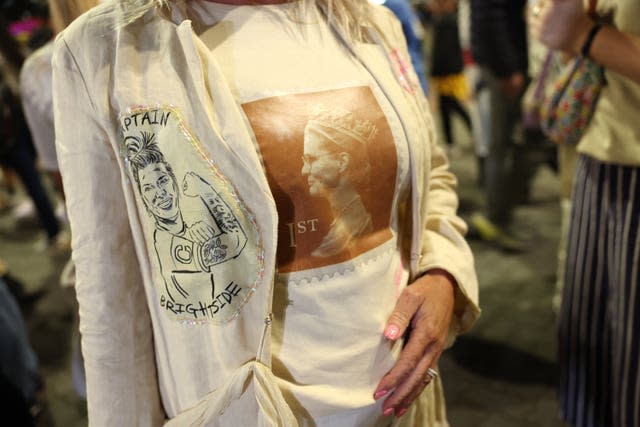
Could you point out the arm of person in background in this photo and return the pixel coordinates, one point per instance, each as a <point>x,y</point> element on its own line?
<point>117,341</point>
<point>443,300</point>
<point>410,21</point>
<point>564,25</point>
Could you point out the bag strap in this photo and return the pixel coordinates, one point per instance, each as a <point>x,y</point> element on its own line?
<point>593,5</point>
<point>543,75</point>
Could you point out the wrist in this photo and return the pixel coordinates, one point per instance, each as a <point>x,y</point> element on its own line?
<point>585,50</point>
<point>441,276</point>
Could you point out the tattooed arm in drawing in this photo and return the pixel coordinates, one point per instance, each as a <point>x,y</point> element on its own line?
<point>222,240</point>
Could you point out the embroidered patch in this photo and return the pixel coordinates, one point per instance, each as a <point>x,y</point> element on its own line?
<point>203,243</point>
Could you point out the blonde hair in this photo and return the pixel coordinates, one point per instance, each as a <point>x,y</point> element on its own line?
<point>346,15</point>
<point>63,12</point>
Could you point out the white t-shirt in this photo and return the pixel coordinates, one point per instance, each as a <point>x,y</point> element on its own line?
<point>337,162</point>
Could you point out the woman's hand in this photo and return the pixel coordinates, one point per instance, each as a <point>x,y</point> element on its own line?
<point>512,86</point>
<point>560,24</point>
<point>428,305</point>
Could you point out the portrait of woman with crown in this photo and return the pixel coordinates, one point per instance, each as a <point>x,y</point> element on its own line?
<point>335,161</point>
<point>334,171</point>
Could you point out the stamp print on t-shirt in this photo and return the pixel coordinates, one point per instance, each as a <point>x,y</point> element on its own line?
<point>203,243</point>
<point>331,163</point>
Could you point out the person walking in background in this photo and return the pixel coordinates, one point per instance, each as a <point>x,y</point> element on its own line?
<point>37,100</point>
<point>600,312</point>
<point>477,105</point>
<point>16,148</point>
<point>447,67</point>
<point>499,46</point>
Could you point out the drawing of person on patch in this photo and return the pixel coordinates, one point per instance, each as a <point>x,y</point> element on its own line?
<point>186,248</point>
<point>335,164</point>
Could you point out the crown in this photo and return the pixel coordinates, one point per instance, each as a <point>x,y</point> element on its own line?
<point>343,120</point>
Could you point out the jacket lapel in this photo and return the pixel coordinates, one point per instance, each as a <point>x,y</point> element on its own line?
<point>225,118</point>
<point>379,60</point>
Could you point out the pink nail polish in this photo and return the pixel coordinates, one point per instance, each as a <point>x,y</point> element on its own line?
<point>380,393</point>
<point>401,412</point>
<point>387,412</point>
<point>392,332</point>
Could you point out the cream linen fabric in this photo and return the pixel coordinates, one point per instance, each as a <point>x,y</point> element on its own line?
<point>613,135</point>
<point>37,102</point>
<point>334,311</point>
<point>143,363</point>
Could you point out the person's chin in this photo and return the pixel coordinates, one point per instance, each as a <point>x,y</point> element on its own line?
<point>166,214</point>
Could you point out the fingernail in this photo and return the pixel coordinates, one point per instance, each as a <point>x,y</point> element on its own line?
<point>387,412</point>
<point>380,393</point>
<point>392,332</point>
<point>401,412</point>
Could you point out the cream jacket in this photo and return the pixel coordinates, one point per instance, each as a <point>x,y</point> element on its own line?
<point>146,362</point>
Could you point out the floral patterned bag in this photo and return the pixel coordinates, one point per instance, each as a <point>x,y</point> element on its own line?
<point>566,113</point>
<point>568,109</point>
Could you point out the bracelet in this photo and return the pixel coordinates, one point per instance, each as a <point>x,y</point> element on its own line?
<point>586,47</point>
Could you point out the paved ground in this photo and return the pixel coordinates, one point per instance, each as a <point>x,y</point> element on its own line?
<point>501,374</point>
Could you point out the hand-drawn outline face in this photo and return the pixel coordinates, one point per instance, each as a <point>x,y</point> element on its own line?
<point>324,168</point>
<point>208,251</point>
<point>160,191</point>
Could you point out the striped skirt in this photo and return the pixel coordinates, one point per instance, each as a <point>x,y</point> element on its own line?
<point>599,325</point>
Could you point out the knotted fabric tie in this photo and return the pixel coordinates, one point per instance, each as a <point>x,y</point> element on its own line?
<point>274,410</point>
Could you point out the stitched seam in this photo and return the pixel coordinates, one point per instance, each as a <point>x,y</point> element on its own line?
<point>84,81</point>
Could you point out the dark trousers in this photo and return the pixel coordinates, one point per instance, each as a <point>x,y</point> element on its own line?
<point>508,165</point>
<point>20,158</point>
<point>449,106</point>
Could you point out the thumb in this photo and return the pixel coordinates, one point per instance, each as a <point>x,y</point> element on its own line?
<point>406,306</point>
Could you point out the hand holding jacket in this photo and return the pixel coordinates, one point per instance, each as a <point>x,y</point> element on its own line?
<point>427,305</point>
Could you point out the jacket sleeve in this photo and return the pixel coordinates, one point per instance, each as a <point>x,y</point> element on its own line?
<point>115,325</point>
<point>443,245</point>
